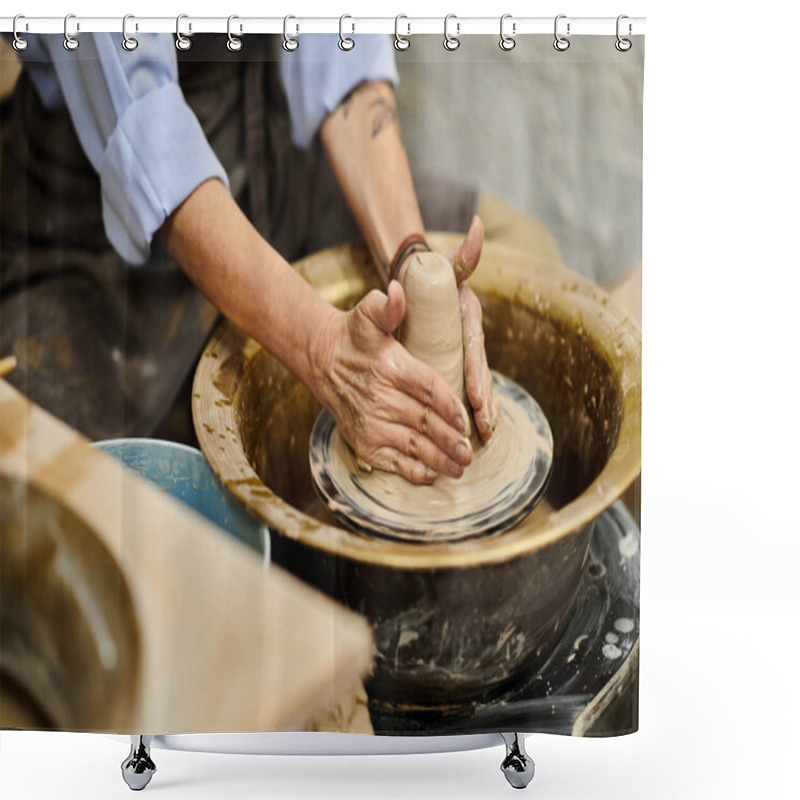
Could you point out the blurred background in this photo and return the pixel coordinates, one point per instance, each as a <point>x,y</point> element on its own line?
<point>558,135</point>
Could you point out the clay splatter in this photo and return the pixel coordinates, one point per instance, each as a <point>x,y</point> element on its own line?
<point>624,625</point>
<point>611,651</point>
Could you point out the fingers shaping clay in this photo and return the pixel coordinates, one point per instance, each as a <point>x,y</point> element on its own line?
<point>507,476</point>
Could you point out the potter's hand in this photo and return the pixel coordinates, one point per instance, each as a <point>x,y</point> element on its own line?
<point>395,412</point>
<point>478,378</point>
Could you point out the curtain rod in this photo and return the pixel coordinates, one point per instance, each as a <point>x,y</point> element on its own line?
<point>456,26</point>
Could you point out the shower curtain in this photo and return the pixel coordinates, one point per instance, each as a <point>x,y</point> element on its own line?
<point>143,189</point>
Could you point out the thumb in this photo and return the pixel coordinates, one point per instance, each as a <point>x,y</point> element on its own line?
<point>385,311</point>
<point>466,256</point>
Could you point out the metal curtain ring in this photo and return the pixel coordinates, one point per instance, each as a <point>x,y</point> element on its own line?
<point>451,42</point>
<point>19,43</point>
<point>561,43</point>
<point>234,44</point>
<point>182,42</point>
<point>290,44</point>
<point>70,42</point>
<point>400,42</point>
<point>128,42</point>
<point>507,42</point>
<point>345,42</point>
<point>623,45</point>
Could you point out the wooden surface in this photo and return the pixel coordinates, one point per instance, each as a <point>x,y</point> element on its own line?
<point>223,645</point>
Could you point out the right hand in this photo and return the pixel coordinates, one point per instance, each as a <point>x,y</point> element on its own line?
<point>478,378</point>
<point>396,413</point>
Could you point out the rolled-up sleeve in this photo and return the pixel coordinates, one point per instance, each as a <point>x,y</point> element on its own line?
<point>136,129</point>
<point>318,76</point>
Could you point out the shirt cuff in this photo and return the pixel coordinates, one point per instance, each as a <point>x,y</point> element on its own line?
<point>155,158</point>
<point>318,76</point>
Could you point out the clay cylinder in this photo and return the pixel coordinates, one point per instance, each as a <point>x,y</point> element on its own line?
<point>431,330</point>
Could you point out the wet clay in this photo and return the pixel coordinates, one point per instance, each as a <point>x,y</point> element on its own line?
<point>507,475</point>
<point>431,329</point>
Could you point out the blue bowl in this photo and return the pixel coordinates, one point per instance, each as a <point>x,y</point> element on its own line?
<point>184,473</point>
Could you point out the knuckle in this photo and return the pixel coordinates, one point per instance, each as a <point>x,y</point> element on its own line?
<point>372,296</point>
<point>364,453</point>
<point>423,420</point>
<point>368,444</point>
<point>434,452</point>
<point>426,388</point>
<point>441,463</point>
<point>474,388</point>
<point>387,459</point>
<point>409,475</point>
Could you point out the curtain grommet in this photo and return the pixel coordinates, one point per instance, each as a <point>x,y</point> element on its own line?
<point>234,43</point>
<point>561,43</point>
<point>507,43</point>
<point>401,43</point>
<point>71,43</point>
<point>128,42</point>
<point>345,42</point>
<point>290,43</point>
<point>18,43</point>
<point>451,43</point>
<point>183,43</point>
<point>622,44</point>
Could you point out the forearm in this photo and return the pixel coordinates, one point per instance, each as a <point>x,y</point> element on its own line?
<point>224,255</point>
<point>362,141</point>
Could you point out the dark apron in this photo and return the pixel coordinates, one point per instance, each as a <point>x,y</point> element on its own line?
<point>106,346</point>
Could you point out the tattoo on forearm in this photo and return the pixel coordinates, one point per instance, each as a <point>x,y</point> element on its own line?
<point>384,114</point>
<point>381,110</point>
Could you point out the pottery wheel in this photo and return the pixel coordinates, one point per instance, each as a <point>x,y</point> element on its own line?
<point>507,476</point>
<point>506,479</point>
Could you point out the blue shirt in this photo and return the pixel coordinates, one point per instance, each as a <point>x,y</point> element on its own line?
<point>141,136</point>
